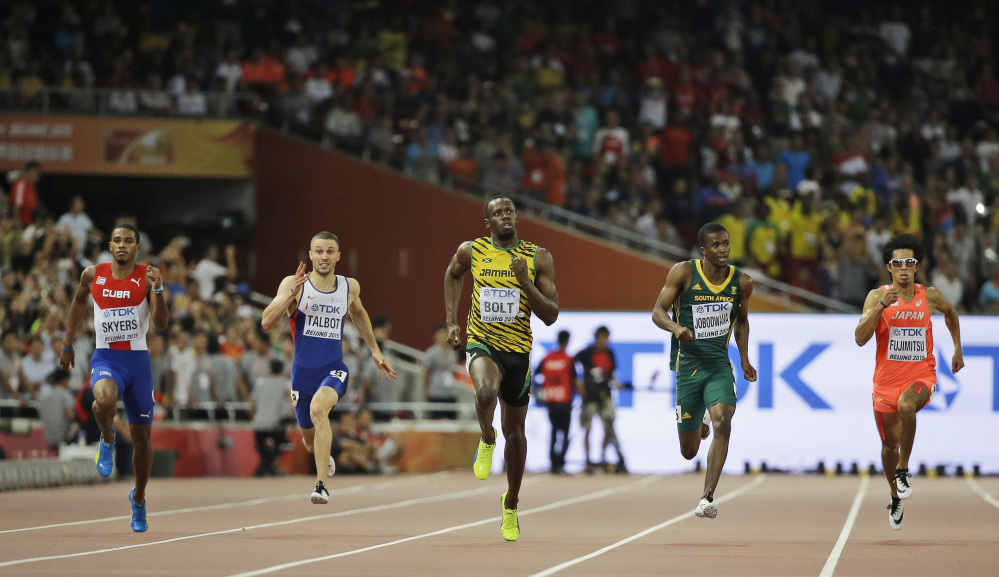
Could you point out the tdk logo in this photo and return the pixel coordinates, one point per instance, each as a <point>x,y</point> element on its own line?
<point>328,309</point>
<point>125,312</point>
<point>908,332</point>
<point>500,293</point>
<point>712,307</point>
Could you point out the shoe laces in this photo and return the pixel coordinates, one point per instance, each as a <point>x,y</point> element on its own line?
<point>902,478</point>
<point>894,506</point>
<point>321,487</point>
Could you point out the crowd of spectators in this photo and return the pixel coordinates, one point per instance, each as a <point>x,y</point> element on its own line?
<point>814,131</point>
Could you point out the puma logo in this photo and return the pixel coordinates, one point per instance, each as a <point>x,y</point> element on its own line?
<point>135,280</point>
<point>144,415</point>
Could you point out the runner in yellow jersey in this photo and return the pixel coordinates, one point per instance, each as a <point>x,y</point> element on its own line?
<point>512,278</point>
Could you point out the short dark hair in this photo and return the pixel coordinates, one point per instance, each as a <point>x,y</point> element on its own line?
<point>326,235</point>
<point>277,366</point>
<point>602,330</point>
<point>32,165</point>
<point>710,228</point>
<point>493,198</point>
<point>134,230</point>
<point>563,337</point>
<point>379,321</point>
<point>902,242</point>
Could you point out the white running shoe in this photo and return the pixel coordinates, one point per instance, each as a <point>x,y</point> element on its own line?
<point>895,513</point>
<point>706,508</point>
<point>320,496</point>
<point>331,469</point>
<point>706,425</point>
<point>903,484</point>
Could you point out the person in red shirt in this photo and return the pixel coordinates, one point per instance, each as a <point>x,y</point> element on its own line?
<point>558,370</point>
<point>905,378</point>
<point>24,195</point>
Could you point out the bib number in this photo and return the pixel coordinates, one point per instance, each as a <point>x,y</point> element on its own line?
<point>339,375</point>
<point>294,398</point>
<point>907,344</point>
<point>711,319</point>
<point>499,305</point>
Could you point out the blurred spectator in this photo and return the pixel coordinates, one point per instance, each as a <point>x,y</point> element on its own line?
<point>79,223</point>
<point>211,275</point>
<point>270,406</point>
<point>438,374</point>
<point>598,366</point>
<point>56,409</point>
<point>24,194</point>
<point>946,279</point>
<point>989,294</point>
<point>10,369</point>
<point>378,390</point>
<point>35,369</point>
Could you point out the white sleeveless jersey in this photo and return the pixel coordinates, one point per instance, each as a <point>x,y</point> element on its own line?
<point>317,324</point>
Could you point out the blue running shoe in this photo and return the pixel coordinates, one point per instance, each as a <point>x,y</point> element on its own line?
<point>139,521</point>
<point>105,457</point>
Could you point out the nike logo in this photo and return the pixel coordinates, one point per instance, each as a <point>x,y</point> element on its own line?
<point>135,280</point>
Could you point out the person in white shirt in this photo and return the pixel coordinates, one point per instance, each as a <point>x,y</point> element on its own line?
<point>79,223</point>
<point>35,369</point>
<point>230,70</point>
<point>208,270</point>
<point>945,278</point>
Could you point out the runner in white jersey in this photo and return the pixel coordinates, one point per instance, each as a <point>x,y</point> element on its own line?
<point>315,304</point>
<point>125,296</point>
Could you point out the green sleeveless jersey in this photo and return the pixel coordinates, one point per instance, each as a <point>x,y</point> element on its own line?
<point>709,311</point>
<point>500,317</point>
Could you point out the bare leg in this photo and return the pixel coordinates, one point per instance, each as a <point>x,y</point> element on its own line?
<point>322,403</point>
<point>516,450</point>
<point>721,418</point>
<point>105,407</point>
<point>142,459</point>
<point>486,378</point>
<point>888,427</point>
<point>910,402</point>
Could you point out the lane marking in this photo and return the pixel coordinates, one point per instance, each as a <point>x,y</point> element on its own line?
<point>688,515</point>
<point>263,500</point>
<point>373,509</point>
<point>549,507</point>
<point>830,567</point>
<point>982,492</point>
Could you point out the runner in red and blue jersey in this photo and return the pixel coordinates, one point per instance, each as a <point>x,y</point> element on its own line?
<point>125,296</point>
<point>316,303</point>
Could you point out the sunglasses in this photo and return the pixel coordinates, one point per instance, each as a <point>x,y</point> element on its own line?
<point>898,262</point>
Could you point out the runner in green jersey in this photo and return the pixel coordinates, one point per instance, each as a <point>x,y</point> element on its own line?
<point>709,300</point>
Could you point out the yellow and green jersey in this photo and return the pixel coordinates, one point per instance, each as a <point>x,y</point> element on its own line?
<point>500,317</point>
<point>709,311</point>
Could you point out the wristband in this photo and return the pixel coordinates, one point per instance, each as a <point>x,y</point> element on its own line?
<point>157,291</point>
<point>882,303</point>
<point>69,350</point>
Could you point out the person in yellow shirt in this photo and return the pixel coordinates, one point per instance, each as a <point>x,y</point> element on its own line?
<point>805,226</point>
<point>737,225</point>
<point>763,241</point>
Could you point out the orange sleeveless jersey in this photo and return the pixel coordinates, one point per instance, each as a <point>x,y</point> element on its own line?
<point>905,343</point>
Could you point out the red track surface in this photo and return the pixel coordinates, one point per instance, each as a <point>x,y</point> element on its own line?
<point>448,524</point>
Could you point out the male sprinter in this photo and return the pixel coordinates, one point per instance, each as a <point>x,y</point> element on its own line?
<point>905,377</point>
<point>316,304</point>
<point>125,296</point>
<point>511,279</point>
<point>710,301</point>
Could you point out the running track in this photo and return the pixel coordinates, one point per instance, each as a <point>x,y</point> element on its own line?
<point>448,524</point>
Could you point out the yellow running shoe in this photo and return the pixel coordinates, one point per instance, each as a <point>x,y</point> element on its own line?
<point>510,527</point>
<point>483,462</point>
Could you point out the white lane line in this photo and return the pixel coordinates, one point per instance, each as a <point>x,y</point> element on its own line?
<point>552,570</point>
<point>261,501</point>
<point>982,492</point>
<point>374,509</point>
<point>830,567</point>
<point>549,507</point>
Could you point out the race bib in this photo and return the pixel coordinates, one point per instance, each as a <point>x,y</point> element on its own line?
<point>711,319</point>
<point>907,344</point>
<point>323,321</point>
<point>499,305</point>
<point>120,324</point>
<point>294,398</point>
